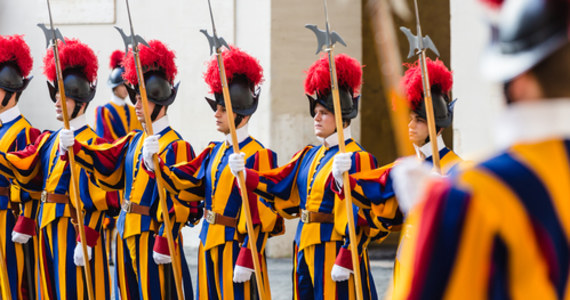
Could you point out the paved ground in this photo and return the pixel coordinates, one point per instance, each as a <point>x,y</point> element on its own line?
<point>280,272</point>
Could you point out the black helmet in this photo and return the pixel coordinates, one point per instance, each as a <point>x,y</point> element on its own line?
<point>441,81</point>
<point>527,32</point>
<point>244,102</point>
<point>243,73</point>
<point>349,74</point>
<point>117,70</point>
<point>15,65</point>
<point>79,65</point>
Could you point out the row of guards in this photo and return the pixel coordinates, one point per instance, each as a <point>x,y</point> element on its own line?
<point>63,193</point>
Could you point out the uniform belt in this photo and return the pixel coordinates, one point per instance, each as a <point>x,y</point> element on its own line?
<point>216,218</point>
<point>5,191</point>
<point>54,198</point>
<point>130,207</point>
<point>316,217</point>
<point>59,199</point>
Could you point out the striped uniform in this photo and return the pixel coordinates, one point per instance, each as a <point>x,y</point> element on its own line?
<point>117,166</point>
<point>114,121</point>
<point>39,168</point>
<point>374,189</point>
<point>16,134</point>
<point>209,175</point>
<point>497,230</point>
<point>303,184</point>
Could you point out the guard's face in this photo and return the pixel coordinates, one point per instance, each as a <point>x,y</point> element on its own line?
<point>139,108</point>
<point>324,122</point>
<point>121,91</point>
<point>417,129</point>
<point>222,124</point>
<point>59,110</point>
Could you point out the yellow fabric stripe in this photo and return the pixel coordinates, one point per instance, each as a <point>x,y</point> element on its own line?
<point>552,174</point>
<point>202,273</point>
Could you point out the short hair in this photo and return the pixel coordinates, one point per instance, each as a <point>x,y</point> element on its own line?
<point>553,73</point>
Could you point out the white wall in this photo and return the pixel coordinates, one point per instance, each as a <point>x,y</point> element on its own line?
<point>479,101</point>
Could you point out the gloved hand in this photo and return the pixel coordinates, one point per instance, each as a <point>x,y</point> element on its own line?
<point>66,140</point>
<point>150,148</point>
<point>410,176</point>
<point>161,259</point>
<point>339,273</point>
<point>236,161</point>
<point>20,238</point>
<point>78,255</point>
<point>342,162</point>
<point>242,274</point>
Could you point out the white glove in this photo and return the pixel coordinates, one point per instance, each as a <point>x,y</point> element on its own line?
<point>66,140</point>
<point>237,163</point>
<point>339,273</point>
<point>342,162</point>
<point>410,176</point>
<point>150,148</point>
<point>161,259</point>
<point>20,238</point>
<point>78,255</point>
<point>242,274</point>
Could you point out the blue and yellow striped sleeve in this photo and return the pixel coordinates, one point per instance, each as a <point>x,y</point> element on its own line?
<point>181,206</point>
<point>104,161</point>
<point>24,166</point>
<point>182,177</point>
<point>278,187</point>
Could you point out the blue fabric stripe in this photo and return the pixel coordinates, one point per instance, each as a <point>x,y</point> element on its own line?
<point>499,279</point>
<point>538,204</point>
<point>445,243</point>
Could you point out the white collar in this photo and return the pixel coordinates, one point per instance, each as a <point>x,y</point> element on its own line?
<point>332,140</point>
<point>10,114</point>
<point>78,122</point>
<point>533,121</point>
<point>426,149</point>
<point>117,100</point>
<point>242,134</point>
<point>160,124</point>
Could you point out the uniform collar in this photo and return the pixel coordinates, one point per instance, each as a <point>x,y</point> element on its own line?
<point>332,140</point>
<point>78,123</point>
<point>160,124</point>
<point>533,121</point>
<point>10,114</point>
<point>117,100</point>
<point>425,150</point>
<point>242,134</point>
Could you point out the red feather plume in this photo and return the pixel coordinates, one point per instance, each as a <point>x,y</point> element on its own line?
<point>348,72</point>
<point>156,58</point>
<point>494,4</point>
<point>14,48</point>
<point>236,62</point>
<point>116,59</point>
<point>412,80</point>
<point>72,54</point>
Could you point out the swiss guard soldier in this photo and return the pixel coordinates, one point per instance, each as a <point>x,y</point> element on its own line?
<point>220,255</point>
<point>499,229</point>
<point>112,121</point>
<point>441,81</point>
<point>117,166</point>
<point>374,189</point>
<point>39,168</point>
<point>322,264</point>
<point>18,238</point>
<point>116,118</point>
